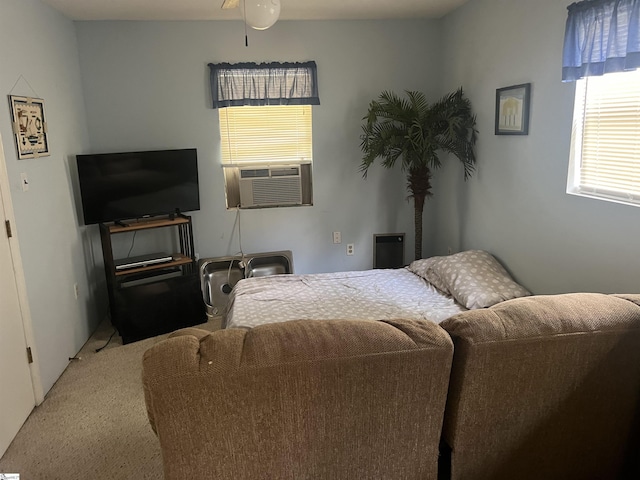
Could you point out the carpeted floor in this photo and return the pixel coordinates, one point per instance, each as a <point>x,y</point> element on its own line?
<point>92,424</point>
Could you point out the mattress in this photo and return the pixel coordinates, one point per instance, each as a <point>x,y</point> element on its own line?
<point>358,295</point>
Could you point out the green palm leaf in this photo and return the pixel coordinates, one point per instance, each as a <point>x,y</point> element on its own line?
<point>414,132</point>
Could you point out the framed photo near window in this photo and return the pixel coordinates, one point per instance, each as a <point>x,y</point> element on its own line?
<point>512,110</point>
<point>29,126</point>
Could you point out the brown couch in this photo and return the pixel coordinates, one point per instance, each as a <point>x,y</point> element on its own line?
<point>543,387</point>
<point>300,400</point>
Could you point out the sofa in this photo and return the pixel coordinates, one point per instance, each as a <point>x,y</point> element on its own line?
<point>300,400</point>
<point>541,387</point>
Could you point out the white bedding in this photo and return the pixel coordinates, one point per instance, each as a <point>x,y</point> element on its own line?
<point>365,295</point>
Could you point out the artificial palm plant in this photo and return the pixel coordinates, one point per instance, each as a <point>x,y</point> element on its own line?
<point>415,132</point>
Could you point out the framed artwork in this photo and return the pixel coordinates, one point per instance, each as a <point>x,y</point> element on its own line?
<point>512,110</point>
<point>29,126</point>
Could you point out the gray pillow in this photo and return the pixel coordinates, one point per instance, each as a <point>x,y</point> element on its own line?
<point>474,278</point>
<point>423,269</point>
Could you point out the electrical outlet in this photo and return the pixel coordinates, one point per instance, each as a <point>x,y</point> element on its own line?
<point>76,290</point>
<point>350,248</point>
<point>337,237</point>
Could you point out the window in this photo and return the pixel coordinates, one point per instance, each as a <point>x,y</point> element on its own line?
<point>266,135</point>
<point>264,145</point>
<point>265,131</point>
<point>602,54</point>
<point>605,147</point>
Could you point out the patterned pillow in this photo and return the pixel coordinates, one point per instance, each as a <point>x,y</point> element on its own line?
<point>474,278</point>
<point>423,269</point>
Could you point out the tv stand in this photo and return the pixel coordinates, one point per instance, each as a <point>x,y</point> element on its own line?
<point>177,214</point>
<point>153,298</point>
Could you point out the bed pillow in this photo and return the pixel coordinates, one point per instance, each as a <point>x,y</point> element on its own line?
<point>423,268</point>
<point>474,278</point>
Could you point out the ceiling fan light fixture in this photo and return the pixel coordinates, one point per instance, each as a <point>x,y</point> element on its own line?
<point>261,14</point>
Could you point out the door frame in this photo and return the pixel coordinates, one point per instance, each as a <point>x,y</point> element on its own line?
<point>18,272</point>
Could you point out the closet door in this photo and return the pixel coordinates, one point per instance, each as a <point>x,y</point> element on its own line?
<point>18,398</point>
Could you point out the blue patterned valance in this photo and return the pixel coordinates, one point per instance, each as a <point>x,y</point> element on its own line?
<point>264,84</point>
<point>601,36</point>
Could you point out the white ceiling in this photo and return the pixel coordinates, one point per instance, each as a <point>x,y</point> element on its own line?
<point>290,9</point>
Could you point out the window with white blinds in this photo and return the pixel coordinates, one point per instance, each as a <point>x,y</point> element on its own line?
<point>266,135</point>
<point>605,147</point>
<point>272,142</point>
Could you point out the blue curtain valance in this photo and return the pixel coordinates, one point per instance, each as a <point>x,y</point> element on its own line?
<point>264,84</point>
<point>601,36</point>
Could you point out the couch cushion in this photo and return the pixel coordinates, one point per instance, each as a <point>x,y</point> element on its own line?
<point>544,315</point>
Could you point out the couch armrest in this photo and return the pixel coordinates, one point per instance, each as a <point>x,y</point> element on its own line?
<point>199,333</point>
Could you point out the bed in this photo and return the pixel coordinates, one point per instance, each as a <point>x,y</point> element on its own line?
<point>430,289</point>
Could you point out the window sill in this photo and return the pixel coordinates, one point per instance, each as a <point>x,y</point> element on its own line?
<point>605,198</point>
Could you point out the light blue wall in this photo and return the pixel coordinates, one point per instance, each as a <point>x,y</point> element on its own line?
<point>146,87</point>
<point>516,205</point>
<point>40,45</point>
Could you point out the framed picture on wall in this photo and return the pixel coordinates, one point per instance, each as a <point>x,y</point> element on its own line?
<point>512,110</point>
<point>29,126</point>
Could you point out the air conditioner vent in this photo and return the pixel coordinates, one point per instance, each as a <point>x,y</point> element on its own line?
<point>270,186</point>
<point>254,172</point>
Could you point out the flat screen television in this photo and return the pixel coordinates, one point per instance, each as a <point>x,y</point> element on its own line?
<point>130,185</point>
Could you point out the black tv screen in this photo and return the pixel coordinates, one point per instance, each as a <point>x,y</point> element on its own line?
<point>130,185</point>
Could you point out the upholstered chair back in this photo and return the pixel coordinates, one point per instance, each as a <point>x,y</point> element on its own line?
<point>300,400</point>
<point>545,387</point>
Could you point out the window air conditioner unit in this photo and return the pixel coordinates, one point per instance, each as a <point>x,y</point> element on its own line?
<point>270,187</point>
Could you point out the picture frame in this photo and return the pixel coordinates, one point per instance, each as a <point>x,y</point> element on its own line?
<point>512,110</point>
<point>29,126</point>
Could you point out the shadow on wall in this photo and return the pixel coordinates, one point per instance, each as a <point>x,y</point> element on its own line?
<point>463,207</point>
<point>96,301</point>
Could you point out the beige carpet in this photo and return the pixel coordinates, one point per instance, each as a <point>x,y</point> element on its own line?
<point>92,424</point>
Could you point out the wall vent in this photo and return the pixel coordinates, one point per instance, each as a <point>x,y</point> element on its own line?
<point>388,250</point>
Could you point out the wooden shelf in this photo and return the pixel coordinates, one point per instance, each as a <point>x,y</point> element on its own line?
<point>178,259</point>
<point>148,223</point>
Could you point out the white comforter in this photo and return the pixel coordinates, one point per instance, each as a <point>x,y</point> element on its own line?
<point>365,295</point>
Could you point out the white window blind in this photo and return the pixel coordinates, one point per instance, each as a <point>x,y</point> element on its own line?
<point>266,135</point>
<point>605,150</point>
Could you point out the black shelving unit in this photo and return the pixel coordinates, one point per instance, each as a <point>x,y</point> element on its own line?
<point>149,300</point>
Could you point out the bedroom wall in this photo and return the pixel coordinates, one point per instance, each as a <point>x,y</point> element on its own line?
<point>39,57</point>
<point>146,87</point>
<point>516,205</point>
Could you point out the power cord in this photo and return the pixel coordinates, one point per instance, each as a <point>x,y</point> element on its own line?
<point>242,262</point>
<point>108,341</point>
<point>133,241</point>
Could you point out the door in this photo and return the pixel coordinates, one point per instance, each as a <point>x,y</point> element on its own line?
<point>17,397</point>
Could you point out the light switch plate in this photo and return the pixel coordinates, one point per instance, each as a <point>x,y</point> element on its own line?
<point>24,181</point>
